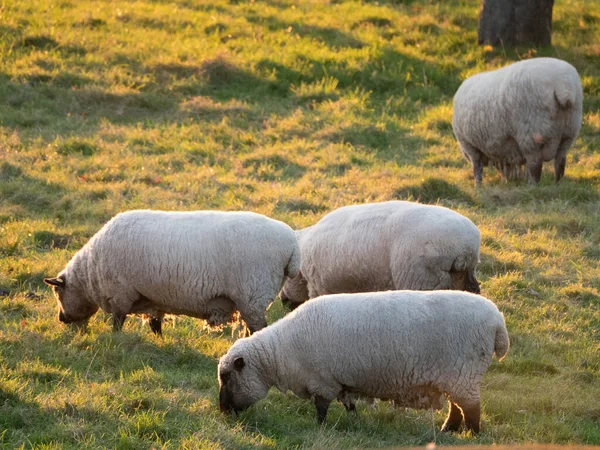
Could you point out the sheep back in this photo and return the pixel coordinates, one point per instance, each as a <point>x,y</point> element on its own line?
<point>389,245</point>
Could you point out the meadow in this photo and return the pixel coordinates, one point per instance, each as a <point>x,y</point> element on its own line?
<point>290,109</point>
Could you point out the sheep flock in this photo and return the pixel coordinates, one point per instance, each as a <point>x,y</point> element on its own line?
<point>384,296</point>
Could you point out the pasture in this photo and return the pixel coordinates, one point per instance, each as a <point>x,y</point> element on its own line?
<point>290,109</point>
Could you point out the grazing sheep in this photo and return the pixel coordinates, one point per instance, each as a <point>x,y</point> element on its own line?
<point>204,264</point>
<point>411,347</point>
<point>522,114</point>
<point>383,246</point>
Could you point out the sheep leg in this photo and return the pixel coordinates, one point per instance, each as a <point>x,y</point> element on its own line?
<point>472,413</point>
<point>156,324</point>
<point>478,171</point>
<point>476,157</point>
<point>118,320</point>
<point>120,306</point>
<point>534,169</point>
<point>322,405</point>
<point>560,161</point>
<point>253,313</point>
<point>350,406</point>
<point>454,419</point>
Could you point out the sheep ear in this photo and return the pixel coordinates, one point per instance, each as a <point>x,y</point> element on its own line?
<point>55,282</point>
<point>239,364</point>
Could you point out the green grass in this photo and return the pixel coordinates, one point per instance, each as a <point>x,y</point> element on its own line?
<point>290,109</point>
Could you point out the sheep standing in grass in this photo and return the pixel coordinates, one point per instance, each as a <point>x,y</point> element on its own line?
<point>411,347</point>
<point>383,246</point>
<point>204,264</point>
<point>522,114</point>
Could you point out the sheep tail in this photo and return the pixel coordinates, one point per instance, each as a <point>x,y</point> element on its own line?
<point>564,95</point>
<point>501,342</point>
<point>293,266</point>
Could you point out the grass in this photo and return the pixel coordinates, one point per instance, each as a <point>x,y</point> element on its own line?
<point>290,109</point>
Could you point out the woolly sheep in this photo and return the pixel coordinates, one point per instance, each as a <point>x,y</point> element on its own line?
<point>204,264</point>
<point>411,347</point>
<point>522,114</point>
<point>383,246</point>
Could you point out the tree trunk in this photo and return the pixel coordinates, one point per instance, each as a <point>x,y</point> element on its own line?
<point>511,22</point>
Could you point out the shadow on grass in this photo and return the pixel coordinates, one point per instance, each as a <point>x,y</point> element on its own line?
<point>274,167</point>
<point>31,194</point>
<point>519,192</point>
<point>433,190</point>
<point>331,37</point>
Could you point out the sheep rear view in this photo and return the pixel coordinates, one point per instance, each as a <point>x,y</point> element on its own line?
<point>384,246</point>
<point>520,115</point>
<point>411,347</point>
<point>204,264</point>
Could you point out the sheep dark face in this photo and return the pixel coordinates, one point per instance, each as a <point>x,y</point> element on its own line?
<point>72,308</point>
<point>294,292</point>
<point>240,384</point>
<point>465,281</point>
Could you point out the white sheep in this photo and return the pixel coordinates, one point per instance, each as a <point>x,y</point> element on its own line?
<point>522,114</point>
<point>204,264</point>
<point>383,246</point>
<point>411,347</point>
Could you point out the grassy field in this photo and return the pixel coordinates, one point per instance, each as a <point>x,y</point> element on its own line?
<point>291,109</point>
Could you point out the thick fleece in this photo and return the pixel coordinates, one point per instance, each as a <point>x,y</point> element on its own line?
<point>383,246</point>
<point>522,114</point>
<point>412,347</point>
<point>204,264</point>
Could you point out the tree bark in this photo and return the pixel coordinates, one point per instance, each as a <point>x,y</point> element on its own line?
<point>512,22</point>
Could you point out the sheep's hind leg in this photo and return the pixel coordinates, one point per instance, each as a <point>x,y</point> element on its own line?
<point>471,411</point>
<point>454,419</point>
<point>560,161</point>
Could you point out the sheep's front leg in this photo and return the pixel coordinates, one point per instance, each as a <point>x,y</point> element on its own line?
<point>119,307</point>
<point>118,321</point>
<point>322,405</point>
<point>253,313</point>
<point>475,156</point>
<point>478,172</point>
<point>156,324</point>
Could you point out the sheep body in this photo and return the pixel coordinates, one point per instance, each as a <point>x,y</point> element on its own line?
<point>411,347</point>
<point>383,246</point>
<point>522,114</point>
<point>204,264</point>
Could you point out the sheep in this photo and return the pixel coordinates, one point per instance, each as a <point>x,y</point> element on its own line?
<point>383,246</point>
<point>204,264</point>
<point>411,347</point>
<point>522,114</point>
